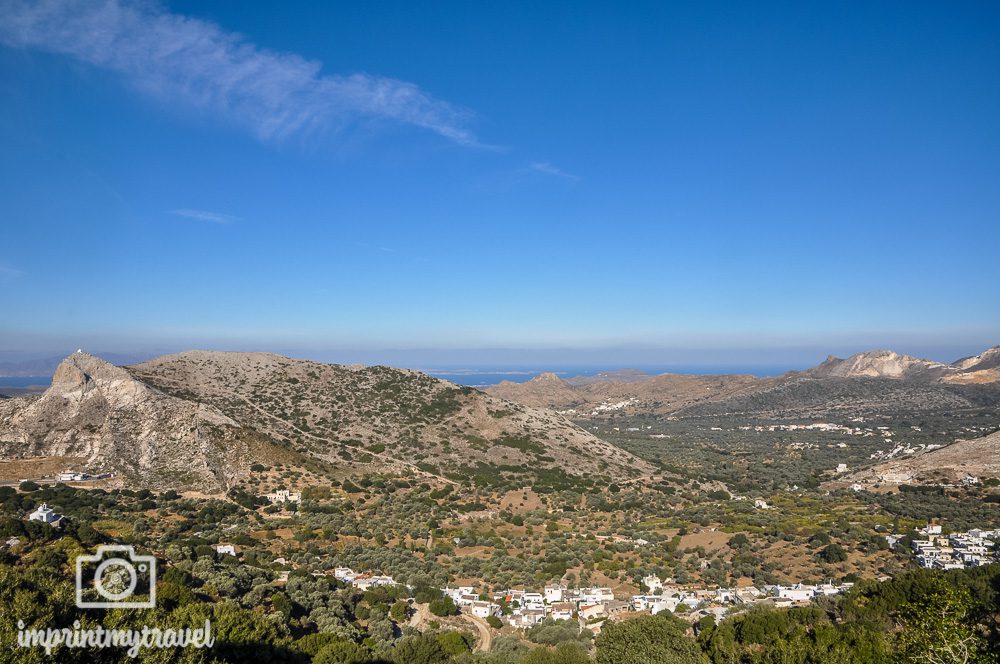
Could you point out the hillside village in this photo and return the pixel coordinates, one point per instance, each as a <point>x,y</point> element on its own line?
<point>590,607</point>
<point>973,548</point>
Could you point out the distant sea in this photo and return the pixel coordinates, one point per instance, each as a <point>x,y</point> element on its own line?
<point>486,376</point>
<point>24,381</point>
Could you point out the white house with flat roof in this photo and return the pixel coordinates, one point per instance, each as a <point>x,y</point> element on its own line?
<point>554,594</point>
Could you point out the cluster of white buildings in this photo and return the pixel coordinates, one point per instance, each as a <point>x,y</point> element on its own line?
<point>591,606</point>
<point>612,406</point>
<point>557,602</point>
<point>802,593</point>
<point>362,581</point>
<point>283,496</point>
<point>955,550</point>
<point>79,476</point>
<point>466,598</point>
<point>72,476</point>
<point>668,597</point>
<point>816,426</point>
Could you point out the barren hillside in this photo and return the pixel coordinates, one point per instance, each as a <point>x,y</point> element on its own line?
<point>203,418</point>
<point>978,457</point>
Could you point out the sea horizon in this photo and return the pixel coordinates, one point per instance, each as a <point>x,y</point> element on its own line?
<point>487,375</point>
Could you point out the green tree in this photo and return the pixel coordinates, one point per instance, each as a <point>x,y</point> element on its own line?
<point>833,553</point>
<point>454,643</point>
<point>399,611</point>
<point>342,652</point>
<point>655,639</point>
<point>419,649</point>
<point>564,653</point>
<point>443,606</point>
<point>935,629</point>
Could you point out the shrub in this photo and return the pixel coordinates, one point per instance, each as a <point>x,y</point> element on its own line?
<point>443,606</point>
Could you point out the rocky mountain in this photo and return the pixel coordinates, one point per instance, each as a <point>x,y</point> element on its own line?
<point>797,396</point>
<point>982,368</point>
<point>101,416</point>
<point>988,359</point>
<point>203,418</point>
<point>881,364</point>
<point>872,381</point>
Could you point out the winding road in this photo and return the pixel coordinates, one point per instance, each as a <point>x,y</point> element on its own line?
<point>485,633</point>
<point>422,616</point>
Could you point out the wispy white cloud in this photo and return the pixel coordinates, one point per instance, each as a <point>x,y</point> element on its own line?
<point>7,270</point>
<point>202,215</point>
<point>189,61</point>
<point>548,169</point>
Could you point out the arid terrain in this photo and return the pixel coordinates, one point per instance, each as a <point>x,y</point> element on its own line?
<point>203,418</point>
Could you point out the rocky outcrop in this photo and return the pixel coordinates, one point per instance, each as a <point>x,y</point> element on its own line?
<point>988,359</point>
<point>99,412</point>
<point>881,364</point>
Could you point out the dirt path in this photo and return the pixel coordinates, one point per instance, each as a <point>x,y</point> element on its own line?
<point>485,633</point>
<point>421,616</point>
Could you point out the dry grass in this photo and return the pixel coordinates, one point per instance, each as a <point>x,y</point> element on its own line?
<point>37,467</point>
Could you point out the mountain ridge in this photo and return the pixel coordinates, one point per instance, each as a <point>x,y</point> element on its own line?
<point>667,394</point>
<point>881,364</point>
<point>204,417</point>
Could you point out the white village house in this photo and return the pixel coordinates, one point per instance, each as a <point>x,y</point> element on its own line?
<point>482,609</point>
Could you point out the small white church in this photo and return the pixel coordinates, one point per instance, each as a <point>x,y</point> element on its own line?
<point>45,514</point>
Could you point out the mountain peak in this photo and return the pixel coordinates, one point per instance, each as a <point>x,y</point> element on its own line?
<point>81,370</point>
<point>880,363</point>
<point>988,359</point>
<point>547,377</point>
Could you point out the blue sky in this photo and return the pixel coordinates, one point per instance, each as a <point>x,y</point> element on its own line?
<point>663,177</point>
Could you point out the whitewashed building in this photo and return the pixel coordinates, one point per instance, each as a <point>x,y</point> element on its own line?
<point>45,514</point>
<point>482,609</point>
<point>653,583</point>
<point>554,594</point>
<point>284,496</point>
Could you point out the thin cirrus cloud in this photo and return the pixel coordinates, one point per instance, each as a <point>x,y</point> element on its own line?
<point>202,215</point>
<point>7,270</point>
<point>176,58</point>
<point>546,168</point>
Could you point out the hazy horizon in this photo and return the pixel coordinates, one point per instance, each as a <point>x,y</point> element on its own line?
<point>523,363</point>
